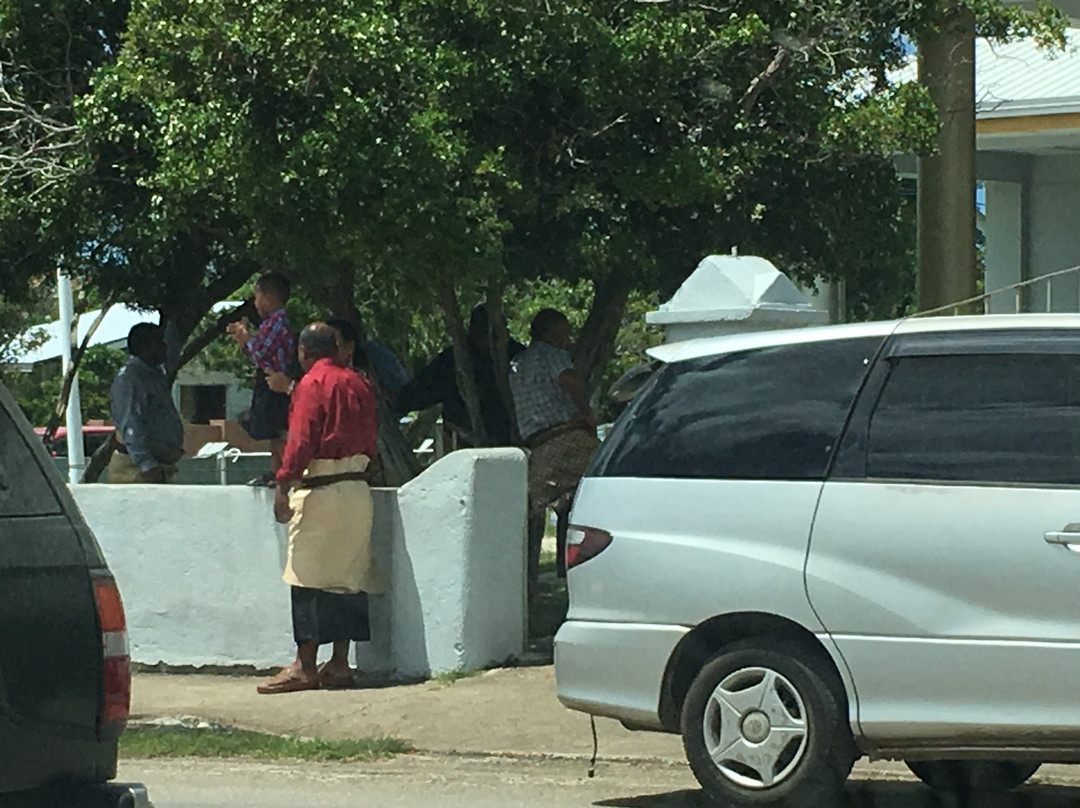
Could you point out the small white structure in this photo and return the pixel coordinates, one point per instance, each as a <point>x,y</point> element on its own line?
<point>199,568</point>
<point>728,294</point>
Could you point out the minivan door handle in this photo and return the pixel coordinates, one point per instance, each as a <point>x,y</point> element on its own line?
<point>1066,537</point>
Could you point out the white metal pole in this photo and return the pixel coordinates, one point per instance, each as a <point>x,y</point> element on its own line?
<point>76,457</point>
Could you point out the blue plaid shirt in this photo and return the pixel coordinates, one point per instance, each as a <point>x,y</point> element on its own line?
<point>272,346</point>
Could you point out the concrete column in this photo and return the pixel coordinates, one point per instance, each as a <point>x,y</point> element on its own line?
<point>1004,242</point>
<point>457,591</point>
<point>947,268</point>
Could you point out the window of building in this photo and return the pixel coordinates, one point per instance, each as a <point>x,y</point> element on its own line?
<point>202,403</point>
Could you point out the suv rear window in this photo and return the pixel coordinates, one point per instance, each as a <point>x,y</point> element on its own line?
<point>768,414</point>
<point>981,418</point>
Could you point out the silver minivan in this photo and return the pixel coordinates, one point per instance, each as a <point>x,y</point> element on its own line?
<point>800,547</point>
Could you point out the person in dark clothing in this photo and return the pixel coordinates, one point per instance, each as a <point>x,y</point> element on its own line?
<point>436,383</point>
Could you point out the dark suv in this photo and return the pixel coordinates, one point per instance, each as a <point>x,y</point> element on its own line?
<point>65,682</point>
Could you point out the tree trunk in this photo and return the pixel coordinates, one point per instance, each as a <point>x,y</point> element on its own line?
<point>195,345</point>
<point>60,407</point>
<point>99,460</point>
<point>596,342</point>
<point>499,340</point>
<point>948,270</point>
<point>466,380</point>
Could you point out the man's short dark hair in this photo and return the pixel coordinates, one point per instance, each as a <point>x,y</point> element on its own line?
<point>318,340</point>
<point>276,284</point>
<point>544,321</point>
<point>345,328</point>
<point>141,336</point>
<point>350,333</point>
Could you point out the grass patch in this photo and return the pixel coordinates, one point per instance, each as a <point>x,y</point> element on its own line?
<point>152,742</point>
<point>449,677</point>
<point>547,561</point>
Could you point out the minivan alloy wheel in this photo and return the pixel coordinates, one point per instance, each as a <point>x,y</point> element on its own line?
<point>755,727</point>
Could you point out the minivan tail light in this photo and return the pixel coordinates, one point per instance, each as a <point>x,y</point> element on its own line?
<point>116,663</point>
<point>583,543</point>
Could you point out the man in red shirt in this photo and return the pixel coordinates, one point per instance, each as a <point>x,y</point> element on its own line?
<point>323,496</point>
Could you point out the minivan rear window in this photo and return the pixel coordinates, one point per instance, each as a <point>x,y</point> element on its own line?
<point>771,414</point>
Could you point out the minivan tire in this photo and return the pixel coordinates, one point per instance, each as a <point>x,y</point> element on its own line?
<point>807,766</point>
<point>973,776</point>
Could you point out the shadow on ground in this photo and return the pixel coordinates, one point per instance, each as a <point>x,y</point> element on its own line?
<point>882,795</point>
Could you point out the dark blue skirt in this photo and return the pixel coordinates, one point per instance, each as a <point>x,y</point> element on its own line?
<point>325,617</point>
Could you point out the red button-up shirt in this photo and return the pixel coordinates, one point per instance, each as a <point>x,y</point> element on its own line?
<point>332,415</point>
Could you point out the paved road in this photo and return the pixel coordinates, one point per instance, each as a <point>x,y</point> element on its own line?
<point>463,782</point>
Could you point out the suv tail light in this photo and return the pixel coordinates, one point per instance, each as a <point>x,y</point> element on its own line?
<point>583,543</point>
<point>117,664</point>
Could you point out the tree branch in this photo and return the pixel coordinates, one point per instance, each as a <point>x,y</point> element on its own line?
<point>60,407</point>
<point>466,379</point>
<point>32,144</point>
<point>765,79</point>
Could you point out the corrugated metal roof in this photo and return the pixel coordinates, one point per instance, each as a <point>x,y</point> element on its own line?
<point>1021,79</point>
<point>113,329</point>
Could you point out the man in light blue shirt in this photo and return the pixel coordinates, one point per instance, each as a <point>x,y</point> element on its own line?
<point>148,427</point>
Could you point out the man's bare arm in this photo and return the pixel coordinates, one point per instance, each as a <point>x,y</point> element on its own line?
<point>570,381</point>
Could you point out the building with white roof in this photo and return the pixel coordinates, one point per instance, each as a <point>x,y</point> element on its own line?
<point>1028,161</point>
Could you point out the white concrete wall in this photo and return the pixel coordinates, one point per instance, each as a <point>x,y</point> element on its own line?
<point>1054,240</point>
<point>199,568</point>
<point>1004,242</point>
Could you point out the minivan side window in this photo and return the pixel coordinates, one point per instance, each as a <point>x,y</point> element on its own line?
<point>978,418</point>
<point>24,489</point>
<point>768,414</point>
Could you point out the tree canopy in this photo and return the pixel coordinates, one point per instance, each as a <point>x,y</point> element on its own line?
<point>397,157</point>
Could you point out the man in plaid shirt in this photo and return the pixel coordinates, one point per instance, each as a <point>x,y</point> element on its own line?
<point>554,419</point>
<point>271,348</point>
